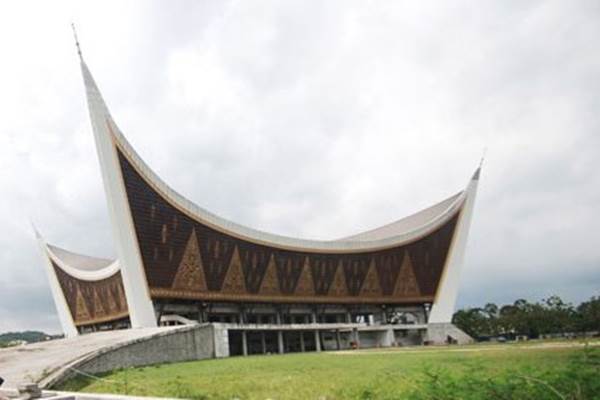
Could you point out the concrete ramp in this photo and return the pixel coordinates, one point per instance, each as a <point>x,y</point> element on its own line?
<point>443,333</point>
<point>41,362</point>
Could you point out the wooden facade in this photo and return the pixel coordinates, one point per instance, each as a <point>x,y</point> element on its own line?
<point>184,258</point>
<point>93,302</point>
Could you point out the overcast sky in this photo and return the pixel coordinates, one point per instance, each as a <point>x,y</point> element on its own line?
<point>316,119</point>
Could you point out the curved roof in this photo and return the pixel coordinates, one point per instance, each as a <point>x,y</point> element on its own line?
<point>403,231</point>
<point>80,266</point>
<point>406,224</point>
<point>79,261</point>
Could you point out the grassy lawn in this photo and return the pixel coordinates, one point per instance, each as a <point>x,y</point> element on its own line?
<point>367,374</point>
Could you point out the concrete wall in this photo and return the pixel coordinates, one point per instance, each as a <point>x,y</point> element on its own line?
<point>373,339</point>
<point>440,333</point>
<point>187,344</point>
<point>408,338</point>
<point>221,341</point>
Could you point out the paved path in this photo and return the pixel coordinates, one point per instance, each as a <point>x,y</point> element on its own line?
<point>33,362</point>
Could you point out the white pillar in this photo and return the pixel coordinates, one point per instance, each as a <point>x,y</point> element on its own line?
<point>317,341</point>
<point>244,343</point>
<point>280,342</point>
<point>106,135</point>
<point>445,299</point>
<point>62,308</point>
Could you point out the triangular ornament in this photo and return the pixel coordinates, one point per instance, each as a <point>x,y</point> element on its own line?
<point>120,296</point>
<point>112,303</point>
<point>99,310</point>
<point>190,274</point>
<point>371,286</point>
<point>305,282</point>
<point>406,284</point>
<point>338,286</point>
<point>81,310</point>
<point>234,280</point>
<point>270,284</point>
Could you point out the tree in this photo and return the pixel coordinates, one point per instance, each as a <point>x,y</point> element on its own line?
<point>560,316</point>
<point>551,315</point>
<point>491,312</point>
<point>471,321</point>
<point>589,315</point>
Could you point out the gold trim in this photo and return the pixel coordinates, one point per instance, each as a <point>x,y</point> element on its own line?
<point>113,139</point>
<point>450,251</point>
<point>162,293</point>
<point>103,319</point>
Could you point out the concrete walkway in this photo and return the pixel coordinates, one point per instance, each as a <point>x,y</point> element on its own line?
<point>36,361</point>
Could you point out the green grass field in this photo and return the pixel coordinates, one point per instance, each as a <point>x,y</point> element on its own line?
<point>365,374</point>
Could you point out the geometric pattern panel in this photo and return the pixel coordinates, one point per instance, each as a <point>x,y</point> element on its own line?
<point>234,280</point>
<point>254,264</point>
<point>93,301</point>
<point>355,271</point>
<point>406,284</point>
<point>339,285</point>
<point>190,274</point>
<point>305,287</point>
<point>216,252</point>
<point>323,268</point>
<point>371,286</point>
<point>289,268</point>
<point>231,269</point>
<point>388,265</point>
<point>270,283</point>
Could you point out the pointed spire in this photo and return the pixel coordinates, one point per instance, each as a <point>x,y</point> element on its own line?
<point>38,235</point>
<point>76,41</point>
<point>483,156</point>
<point>478,171</point>
<point>96,106</point>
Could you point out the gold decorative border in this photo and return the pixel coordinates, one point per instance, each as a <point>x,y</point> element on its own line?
<point>163,293</point>
<point>109,318</point>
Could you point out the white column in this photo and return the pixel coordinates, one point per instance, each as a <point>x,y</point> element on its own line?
<point>62,308</point>
<point>445,300</point>
<point>317,335</point>
<point>141,310</point>
<point>317,341</point>
<point>280,342</point>
<point>244,343</point>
